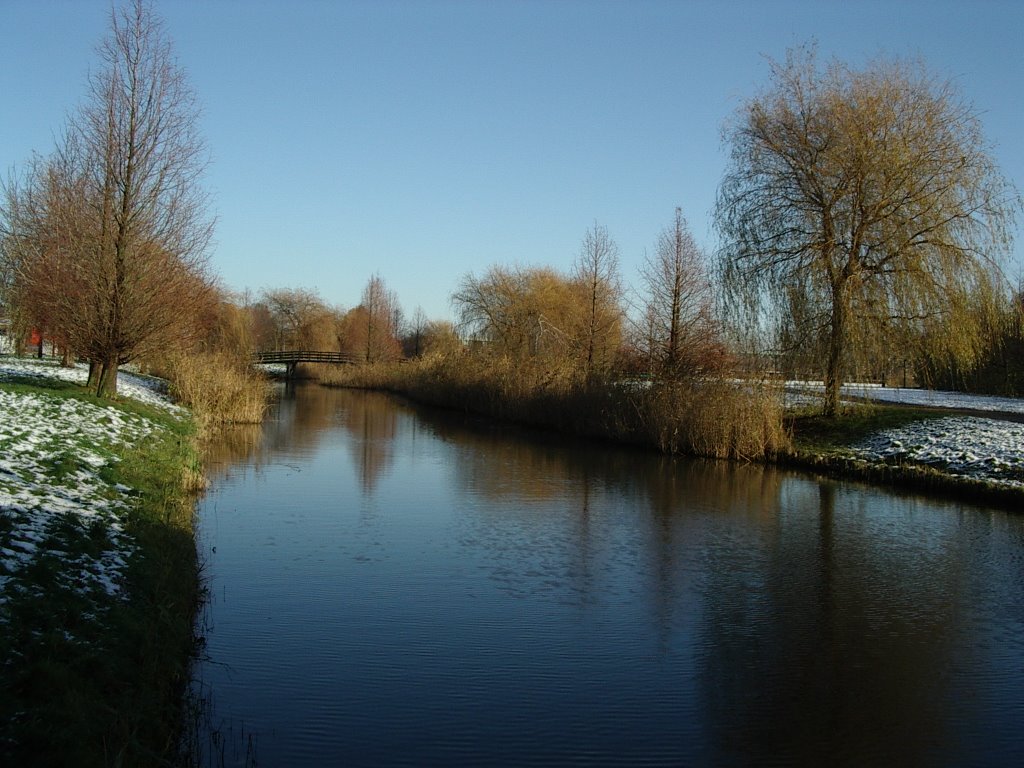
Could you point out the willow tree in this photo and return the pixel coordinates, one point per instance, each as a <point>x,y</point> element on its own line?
<point>111,232</point>
<point>525,315</point>
<point>860,205</point>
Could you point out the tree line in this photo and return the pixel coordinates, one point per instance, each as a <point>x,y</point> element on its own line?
<point>863,225</point>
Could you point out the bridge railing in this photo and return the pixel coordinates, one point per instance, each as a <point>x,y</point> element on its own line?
<point>292,356</point>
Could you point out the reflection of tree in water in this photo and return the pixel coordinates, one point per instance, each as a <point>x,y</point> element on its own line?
<point>824,634</point>
<point>688,501</point>
<point>292,424</point>
<point>372,422</point>
<point>808,622</point>
<point>817,619</point>
<point>300,419</point>
<point>230,447</point>
<point>594,513</point>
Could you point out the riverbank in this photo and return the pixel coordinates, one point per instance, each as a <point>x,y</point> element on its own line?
<point>98,573</point>
<point>932,450</point>
<point>687,417</point>
<point>928,442</point>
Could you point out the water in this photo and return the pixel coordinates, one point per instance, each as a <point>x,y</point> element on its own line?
<point>397,586</point>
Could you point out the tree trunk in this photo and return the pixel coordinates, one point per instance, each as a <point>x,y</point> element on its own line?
<point>837,338</point>
<point>106,385</point>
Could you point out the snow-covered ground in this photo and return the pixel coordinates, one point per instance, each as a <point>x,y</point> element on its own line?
<point>142,388</point>
<point>53,455</point>
<point>965,446</point>
<point>806,392</point>
<point>975,447</point>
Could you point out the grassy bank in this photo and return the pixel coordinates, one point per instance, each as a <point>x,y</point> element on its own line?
<point>828,447</point>
<point>98,576</point>
<point>716,419</point>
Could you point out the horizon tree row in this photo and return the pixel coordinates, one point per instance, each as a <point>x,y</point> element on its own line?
<point>863,225</point>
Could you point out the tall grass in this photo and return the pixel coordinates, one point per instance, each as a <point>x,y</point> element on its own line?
<point>712,417</point>
<point>715,418</point>
<point>219,388</point>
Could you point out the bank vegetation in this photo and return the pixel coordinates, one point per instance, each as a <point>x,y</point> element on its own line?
<point>99,578</point>
<point>560,351</point>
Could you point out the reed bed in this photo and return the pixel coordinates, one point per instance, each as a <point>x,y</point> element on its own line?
<point>711,417</point>
<point>219,388</point>
<point>716,418</point>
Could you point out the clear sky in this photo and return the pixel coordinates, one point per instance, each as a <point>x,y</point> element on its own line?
<point>425,140</point>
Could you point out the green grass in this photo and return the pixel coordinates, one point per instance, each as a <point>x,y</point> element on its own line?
<point>814,433</point>
<point>93,680</point>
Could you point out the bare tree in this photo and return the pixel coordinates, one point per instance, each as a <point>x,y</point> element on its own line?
<point>859,203</point>
<point>596,272</point>
<point>111,232</point>
<point>677,307</point>
<point>381,317</point>
<point>296,313</point>
<point>413,339</point>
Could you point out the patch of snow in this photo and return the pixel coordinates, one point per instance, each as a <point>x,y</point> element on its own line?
<point>53,455</point>
<point>146,389</point>
<point>965,446</point>
<point>272,369</point>
<point>800,393</point>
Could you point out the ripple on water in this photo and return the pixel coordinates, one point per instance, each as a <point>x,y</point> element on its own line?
<point>423,592</point>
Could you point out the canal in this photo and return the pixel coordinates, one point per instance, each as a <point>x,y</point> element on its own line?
<point>390,585</point>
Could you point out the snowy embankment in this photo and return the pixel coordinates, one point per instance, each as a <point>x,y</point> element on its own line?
<point>974,447</point>
<point>963,446</point>
<point>54,455</point>
<point>145,389</point>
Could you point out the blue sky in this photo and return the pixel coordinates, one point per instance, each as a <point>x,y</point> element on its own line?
<point>425,140</point>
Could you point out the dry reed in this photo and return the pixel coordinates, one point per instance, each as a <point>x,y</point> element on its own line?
<point>713,417</point>
<point>219,388</point>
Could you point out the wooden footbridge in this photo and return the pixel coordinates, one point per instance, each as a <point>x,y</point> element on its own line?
<point>290,358</point>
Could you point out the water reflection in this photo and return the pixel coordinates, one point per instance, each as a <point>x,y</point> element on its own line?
<point>231,448</point>
<point>405,586</point>
<point>302,417</point>
<point>372,422</point>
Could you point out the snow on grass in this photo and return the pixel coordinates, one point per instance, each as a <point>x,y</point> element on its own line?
<point>799,393</point>
<point>965,446</point>
<point>55,455</point>
<point>940,399</point>
<point>272,369</point>
<point>145,389</point>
